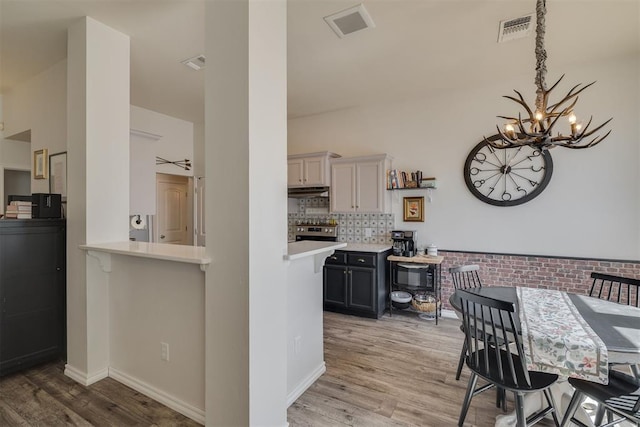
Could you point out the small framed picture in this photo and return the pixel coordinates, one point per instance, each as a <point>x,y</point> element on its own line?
<point>40,164</point>
<point>58,174</point>
<point>414,209</point>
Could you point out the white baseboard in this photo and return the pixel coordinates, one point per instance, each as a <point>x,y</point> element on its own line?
<point>172,402</point>
<point>305,384</point>
<point>84,378</point>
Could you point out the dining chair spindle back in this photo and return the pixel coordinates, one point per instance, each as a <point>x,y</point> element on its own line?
<point>489,326</point>
<point>465,276</point>
<point>623,290</point>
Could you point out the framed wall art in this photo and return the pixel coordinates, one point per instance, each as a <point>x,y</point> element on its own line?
<point>40,164</point>
<point>414,209</point>
<point>58,174</point>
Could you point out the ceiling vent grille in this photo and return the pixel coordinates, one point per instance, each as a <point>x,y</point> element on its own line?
<point>517,28</point>
<point>350,21</point>
<point>195,63</point>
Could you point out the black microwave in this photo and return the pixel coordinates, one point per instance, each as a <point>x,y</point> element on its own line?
<point>413,275</point>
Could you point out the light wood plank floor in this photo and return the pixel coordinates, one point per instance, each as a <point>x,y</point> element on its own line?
<point>397,371</point>
<point>44,396</point>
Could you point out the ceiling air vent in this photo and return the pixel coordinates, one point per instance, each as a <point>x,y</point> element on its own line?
<point>350,20</point>
<point>196,63</point>
<point>515,28</point>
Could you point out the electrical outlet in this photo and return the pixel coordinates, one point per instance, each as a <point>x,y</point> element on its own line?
<point>296,344</point>
<point>164,351</point>
<point>367,232</point>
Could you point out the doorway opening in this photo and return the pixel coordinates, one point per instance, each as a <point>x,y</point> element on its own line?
<point>174,210</point>
<point>16,183</point>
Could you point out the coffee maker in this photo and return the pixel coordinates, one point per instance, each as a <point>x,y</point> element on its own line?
<point>404,242</point>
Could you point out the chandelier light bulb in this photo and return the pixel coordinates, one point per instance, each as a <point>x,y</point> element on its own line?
<point>539,116</point>
<point>510,130</point>
<point>572,119</point>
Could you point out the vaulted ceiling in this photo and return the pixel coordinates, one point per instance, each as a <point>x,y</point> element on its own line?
<point>416,48</point>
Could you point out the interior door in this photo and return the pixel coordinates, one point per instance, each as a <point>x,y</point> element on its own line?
<point>171,215</point>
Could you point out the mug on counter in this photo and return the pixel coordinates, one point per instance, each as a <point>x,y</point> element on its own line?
<point>432,250</point>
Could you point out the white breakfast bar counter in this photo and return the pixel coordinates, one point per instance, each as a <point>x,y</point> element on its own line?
<point>156,294</point>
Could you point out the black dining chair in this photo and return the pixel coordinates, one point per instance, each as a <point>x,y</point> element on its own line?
<point>621,397</point>
<point>464,277</point>
<point>623,290</point>
<point>496,360</point>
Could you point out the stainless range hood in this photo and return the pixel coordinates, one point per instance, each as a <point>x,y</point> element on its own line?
<point>301,192</point>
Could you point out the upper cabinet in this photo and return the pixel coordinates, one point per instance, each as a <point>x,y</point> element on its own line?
<point>309,170</point>
<point>358,184</point>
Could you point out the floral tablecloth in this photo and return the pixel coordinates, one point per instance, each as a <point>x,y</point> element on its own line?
<point>557,339</point>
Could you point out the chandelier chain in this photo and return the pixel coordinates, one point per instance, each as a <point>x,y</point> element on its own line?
<point>541,55</point>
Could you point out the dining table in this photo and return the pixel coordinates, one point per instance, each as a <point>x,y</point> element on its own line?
<point>569,334</point>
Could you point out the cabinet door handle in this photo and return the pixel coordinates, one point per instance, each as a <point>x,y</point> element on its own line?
<point>345,272</point>
<point>350,271</point>
<point>360,260</point>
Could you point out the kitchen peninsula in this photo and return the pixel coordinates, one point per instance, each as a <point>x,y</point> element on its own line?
<point>156,299</point>
<point>305,350</point>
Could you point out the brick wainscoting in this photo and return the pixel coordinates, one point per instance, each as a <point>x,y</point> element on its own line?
<point>566,274</point>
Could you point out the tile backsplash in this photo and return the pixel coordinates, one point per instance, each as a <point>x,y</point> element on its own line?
<point>352,227</point>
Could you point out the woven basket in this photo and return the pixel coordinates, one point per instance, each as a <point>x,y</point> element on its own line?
<point>425,303</point>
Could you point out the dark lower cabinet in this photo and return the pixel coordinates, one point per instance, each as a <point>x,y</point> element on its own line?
<point>355,283</point>
<point>32,292</point>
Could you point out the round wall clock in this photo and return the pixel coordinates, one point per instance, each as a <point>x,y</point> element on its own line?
<point>507,176</point>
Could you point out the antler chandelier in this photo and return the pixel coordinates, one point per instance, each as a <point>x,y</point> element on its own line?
<point>536,130</point>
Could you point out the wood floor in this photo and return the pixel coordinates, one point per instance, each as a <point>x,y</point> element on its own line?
<point>397,371</point>
<point>44,396</point>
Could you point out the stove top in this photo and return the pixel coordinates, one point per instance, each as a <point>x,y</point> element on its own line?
<point>315,232</point>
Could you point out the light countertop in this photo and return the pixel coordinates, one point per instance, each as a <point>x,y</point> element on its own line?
<point>305,248</point>
<point>366,247</point>
<point>418,259</point>
<point>165,251</point>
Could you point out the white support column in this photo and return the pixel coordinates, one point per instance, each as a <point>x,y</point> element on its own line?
<point>98,184</point>
<point>245,152</point>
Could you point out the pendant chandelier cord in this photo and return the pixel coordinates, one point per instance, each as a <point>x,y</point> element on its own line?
<point>536,128</point>
<point>541,55</point>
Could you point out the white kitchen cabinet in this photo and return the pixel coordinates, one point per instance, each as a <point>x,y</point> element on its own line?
<point>309,170</point>
<point>358,184</point>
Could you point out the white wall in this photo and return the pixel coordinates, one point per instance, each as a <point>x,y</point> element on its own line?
<point>176,142</point>
<point>153,302</point>
<point>40,105</point>
<point>304,323</point>
<point>198,149</point>
<point>245,146</point>
<point>98,200</point>
<point>14,155</point>
<point>591,206</point>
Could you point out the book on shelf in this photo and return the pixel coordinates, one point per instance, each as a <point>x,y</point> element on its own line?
<point>403,179</point>
<point>18,209</point>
